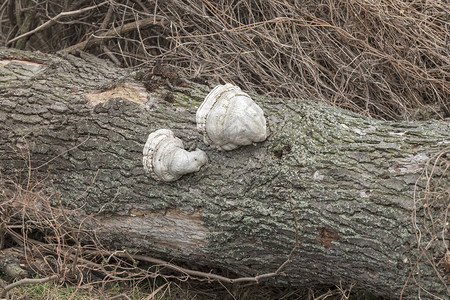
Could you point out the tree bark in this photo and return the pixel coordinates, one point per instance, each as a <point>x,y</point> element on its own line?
<point>348,181</point>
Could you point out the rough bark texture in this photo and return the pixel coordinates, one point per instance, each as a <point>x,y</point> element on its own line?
<point>350,180</point>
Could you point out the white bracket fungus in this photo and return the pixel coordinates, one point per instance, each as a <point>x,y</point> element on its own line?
<point>165,158</point>
<point>228,118</point>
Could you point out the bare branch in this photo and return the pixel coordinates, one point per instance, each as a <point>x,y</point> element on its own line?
<point>115,32</point>
<point>26,281</point>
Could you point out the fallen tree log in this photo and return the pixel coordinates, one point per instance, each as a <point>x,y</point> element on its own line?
<point>366,213</point>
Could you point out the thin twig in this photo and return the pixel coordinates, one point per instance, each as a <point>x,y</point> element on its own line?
<point>62,153</point>
<point>120,296</point>
<point>53,21</point>
<point>27,281</point>
<point>112,33</point>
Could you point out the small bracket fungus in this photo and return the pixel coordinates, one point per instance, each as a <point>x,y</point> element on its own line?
<point>228,118</point>
<point>165,158</point>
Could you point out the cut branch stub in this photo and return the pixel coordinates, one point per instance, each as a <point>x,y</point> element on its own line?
<point>165,158</point>
<point>228,118</point>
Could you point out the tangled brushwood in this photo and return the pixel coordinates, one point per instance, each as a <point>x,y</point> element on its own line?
<point>387,59</point>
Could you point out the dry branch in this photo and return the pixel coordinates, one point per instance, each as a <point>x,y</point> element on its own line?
<point>27,281</point>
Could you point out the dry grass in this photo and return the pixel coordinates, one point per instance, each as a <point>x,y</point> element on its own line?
<point>388,59</point>
<point>173,291</point>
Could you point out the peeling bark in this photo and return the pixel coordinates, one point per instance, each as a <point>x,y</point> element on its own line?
<point>349,179</point>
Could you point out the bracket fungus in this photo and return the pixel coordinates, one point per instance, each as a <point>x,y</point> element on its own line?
<point>165,158</point>
<point>228,118</point>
